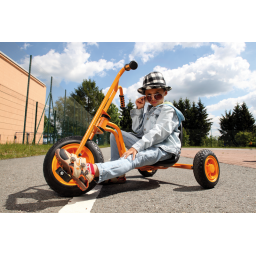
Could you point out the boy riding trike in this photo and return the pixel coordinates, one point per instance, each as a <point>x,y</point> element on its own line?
<point>71,154</point>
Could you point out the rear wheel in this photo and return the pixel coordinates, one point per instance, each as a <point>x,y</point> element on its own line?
<point>90,151</point>
<point>148,173</point>
<point>206,168</point>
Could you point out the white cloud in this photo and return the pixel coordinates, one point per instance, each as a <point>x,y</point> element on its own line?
<point>228,49</point>
<point>132,92</point>
<point>208,76</point>
<point>228,104</point>
<point>93,43</point>
<point>253,111</point>
<point>147,51</point>
<point>25,46</point>
<point>72,64</point>
<point>215,125</point>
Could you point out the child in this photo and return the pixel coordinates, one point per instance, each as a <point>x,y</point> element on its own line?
<point>156,138</point>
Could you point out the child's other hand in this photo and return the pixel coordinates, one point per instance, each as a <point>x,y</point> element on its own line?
<point>140,102</point>
<point>131,151</point>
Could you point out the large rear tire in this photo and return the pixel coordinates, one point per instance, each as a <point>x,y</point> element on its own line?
<point>206,168</point>
<point>90,151</point>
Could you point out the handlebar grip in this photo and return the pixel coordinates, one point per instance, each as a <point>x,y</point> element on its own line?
<point>132,65</point>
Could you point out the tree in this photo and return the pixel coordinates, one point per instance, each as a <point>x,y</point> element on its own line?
<point>114,114</point>
<point>51,126</point>
<point>126,121</point>
<point>204,122</point>
<point>197,124</point>
<point>240,120</point>
<point>89,96</point>
<point>185,141</point>
<point>247,121</point>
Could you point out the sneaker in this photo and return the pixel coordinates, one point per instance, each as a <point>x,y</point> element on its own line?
<point>80,171</point>
<point>117,180</point>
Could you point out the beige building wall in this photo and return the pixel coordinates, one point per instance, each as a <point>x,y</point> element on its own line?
<point>13,91</point>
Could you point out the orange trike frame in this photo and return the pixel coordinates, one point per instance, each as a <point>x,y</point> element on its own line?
<point>100,122</point>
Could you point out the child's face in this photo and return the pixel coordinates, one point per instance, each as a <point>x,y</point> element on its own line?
<point>152,96</point>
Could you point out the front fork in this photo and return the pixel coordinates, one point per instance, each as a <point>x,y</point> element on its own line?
<point>101,121</point>
<point>102,126</point>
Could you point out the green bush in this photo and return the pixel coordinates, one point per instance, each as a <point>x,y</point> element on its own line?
<point>244,138</point>
<point>185,141</point>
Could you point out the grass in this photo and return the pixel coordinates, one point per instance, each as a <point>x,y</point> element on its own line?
<point>11,150</point>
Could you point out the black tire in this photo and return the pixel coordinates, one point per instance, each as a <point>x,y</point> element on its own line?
<point>147,173</point>
<point>63,189</point>
<point>206,168</point>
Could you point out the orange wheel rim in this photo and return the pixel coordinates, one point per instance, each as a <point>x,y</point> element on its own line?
<point>211,168</point>
<point>71,148</point>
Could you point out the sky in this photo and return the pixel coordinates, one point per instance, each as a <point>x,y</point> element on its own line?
<point>204,50</point>
<point>220,74</point>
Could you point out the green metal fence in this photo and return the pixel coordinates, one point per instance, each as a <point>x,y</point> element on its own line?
<point>64,117</point>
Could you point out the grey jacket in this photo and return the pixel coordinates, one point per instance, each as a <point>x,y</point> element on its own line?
<point>157,128</point>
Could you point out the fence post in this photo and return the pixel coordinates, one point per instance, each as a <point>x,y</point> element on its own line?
<point>74,120</point>
<point>54,127</point>
<point>81,120</point>
<point>68,125</point>
<point>34,141</point>
<point>49,111</point>
<point>64,115</point>
<point>26,107</point>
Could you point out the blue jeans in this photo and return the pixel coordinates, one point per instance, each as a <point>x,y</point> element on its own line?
<point>119,166</point>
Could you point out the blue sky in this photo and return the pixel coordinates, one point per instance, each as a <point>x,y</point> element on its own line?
<point>220,74</point>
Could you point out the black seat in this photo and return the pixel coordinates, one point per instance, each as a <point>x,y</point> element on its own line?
<point>174,159</point>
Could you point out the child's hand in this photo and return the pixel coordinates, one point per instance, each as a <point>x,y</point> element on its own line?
<point>132,151</point>
<point>140,102</point>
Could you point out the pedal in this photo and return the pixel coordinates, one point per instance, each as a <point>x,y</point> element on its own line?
<point>63,174</point>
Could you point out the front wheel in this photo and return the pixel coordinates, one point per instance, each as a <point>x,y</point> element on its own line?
<point>90,151</point>
<point>206,168</point>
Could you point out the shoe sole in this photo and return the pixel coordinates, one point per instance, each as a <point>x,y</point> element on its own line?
<point>67,168</point>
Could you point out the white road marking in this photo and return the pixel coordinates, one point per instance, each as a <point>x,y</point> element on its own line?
<point>82,204</point>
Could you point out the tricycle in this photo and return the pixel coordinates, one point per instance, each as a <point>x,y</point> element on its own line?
<point>205,164</point>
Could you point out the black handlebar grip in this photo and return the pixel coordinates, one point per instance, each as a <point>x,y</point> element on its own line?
<point>133,65</point>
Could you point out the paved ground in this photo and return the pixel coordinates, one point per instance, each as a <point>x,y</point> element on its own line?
<point>23,189</point>
<point>242,157</point>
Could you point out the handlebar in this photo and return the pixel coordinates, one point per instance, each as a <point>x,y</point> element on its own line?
<point>132,65</point>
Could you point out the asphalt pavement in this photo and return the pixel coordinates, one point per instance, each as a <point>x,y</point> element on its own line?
<point>24,189</point>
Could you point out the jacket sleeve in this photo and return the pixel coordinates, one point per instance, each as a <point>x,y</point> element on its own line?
<point>137,119</point>
<point>163,128</point>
